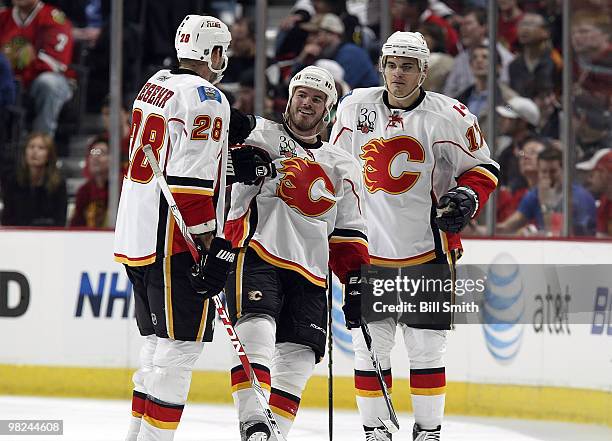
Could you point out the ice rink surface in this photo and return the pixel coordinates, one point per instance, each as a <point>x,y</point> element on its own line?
<point>106,420</point>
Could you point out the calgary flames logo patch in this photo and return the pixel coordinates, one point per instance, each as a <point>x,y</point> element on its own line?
<point>380,164</point>
<point>304,186</point>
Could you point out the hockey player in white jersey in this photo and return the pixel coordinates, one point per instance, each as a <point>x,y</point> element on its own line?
<point>427,171</point>
<point>185,119</point>
<point>289,227</point>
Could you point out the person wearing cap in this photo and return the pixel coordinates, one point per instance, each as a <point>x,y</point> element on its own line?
<point>519,118</point>
<point>599,182</point>
<point>325,40</point>
<point>542,204</point>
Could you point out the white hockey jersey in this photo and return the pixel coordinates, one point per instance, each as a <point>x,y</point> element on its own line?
<point>409,159</point>
<point>185,120</point>
<point>309,215</point>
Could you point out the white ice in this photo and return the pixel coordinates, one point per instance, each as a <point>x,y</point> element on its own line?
<point>106,420</point>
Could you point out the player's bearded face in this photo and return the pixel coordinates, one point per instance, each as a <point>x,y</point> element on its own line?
<point>307,108</point>
<point>401,75</point>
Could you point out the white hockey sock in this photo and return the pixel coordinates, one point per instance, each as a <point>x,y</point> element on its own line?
<point>257,334</point>
<point>139,395</point>
<point>292,367</point>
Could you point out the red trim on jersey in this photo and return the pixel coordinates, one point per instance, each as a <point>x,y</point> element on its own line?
<point>346,254</point>
<point>196,209</point>
<point>480,183</point>
<point>340,133</point>
<point>177,120</point>
<point>355,193</point>
<point>236,230</point>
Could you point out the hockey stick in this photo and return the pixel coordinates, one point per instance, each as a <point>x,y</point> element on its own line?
<point>227,324</point>
<point>392,424</point>
<point>330,366</point>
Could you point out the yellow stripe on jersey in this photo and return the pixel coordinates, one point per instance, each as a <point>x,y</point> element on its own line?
<point>168,277</point>
<point>342,239</point>
<point>191,190</point>
<point>281,263</point>
<point>485,172</point>
<point>245,228</point>
<point>203,320</point>
<point>239,269</point>
<point>140,261</point>
<point>396,263</point>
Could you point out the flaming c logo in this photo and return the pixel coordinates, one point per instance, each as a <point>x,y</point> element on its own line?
<point>379,155</point>
<point>297,186</point>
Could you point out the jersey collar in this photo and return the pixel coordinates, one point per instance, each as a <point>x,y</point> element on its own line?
<point>315,145</point>
<point>413,106</point>
<point>182,70</point>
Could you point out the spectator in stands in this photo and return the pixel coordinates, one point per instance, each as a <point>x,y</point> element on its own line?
<point>245,98</point>
<point>507,23</point>
<point>291,37</point>
<point>126,129</point>
<point>8,90</point>
<point>542,204</point>
<point>550,112</point>
<point>353,31</point>
<point>325,41</point>
<point>592,124</point>
<point>242,56</point>
<point>475,97</point>
<point>510,196</point>
<point>519,118</point>
<point>92,197</point>
<point>593,54</point>
<point>407,15</point>
<point>538,64</point>
<point>35,193</point>
<point>473,33</point>
<point>599,182</point>
<point>440,63</point>
<point>37,39</point>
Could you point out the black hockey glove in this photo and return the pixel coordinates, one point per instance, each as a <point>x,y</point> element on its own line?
<point>209,275</point>
<point>456,208</point>
<point>241,126</point>
<point>352,300</point>
<point>248,164</point>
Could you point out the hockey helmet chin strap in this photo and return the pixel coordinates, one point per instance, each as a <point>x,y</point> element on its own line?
<point>217,72</point>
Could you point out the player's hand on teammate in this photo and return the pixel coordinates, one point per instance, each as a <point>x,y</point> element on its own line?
<point>209,275</point>
<point>249,165</point>
<point>456,208</point>
<point>241,126</point>
<point>352,300</point>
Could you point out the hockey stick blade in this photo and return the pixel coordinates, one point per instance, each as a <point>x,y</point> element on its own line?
<point>391,424</point>
<point>227,324</point>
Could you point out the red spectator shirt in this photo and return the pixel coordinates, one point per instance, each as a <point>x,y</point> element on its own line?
<point>451,38</point>
<point>604,216</point>
<point>91,206</point>
<point>507,32</point>
<point>49,33</point>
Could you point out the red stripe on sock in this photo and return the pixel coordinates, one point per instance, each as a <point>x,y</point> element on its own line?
<point>284,403</point>
<point>138,403</point>
<point>424,381</point>
<point>163,413</point>
<point>239,375</point>
<point>363,382</point>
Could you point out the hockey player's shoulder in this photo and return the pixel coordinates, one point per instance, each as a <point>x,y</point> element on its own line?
<point>266,125</point>
<point>448,108</point>
<point>362,95</point>
<point>340,155</point>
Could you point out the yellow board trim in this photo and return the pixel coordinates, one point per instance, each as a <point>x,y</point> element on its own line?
<point>160,424</point>
<point>512,401</point>
<point>283,413</point>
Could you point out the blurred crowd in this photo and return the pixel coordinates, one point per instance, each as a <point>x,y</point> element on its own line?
<point>54,73</point>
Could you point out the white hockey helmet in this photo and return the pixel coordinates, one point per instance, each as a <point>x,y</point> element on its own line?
<point>197,36</point>
<point>407,44</point>
<point>316,78</point>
